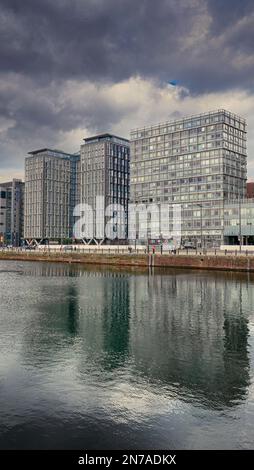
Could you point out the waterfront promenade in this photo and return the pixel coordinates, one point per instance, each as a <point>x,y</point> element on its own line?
<point>119,256</point>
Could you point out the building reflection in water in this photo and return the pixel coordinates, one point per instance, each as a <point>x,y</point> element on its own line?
<point>190,331</point>
<point>104,317</point>
<point>184,331</point>
<point>236,332</point>
<point>116,321</point>
<point>53,326</point>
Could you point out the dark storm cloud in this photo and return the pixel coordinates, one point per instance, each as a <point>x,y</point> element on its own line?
<point>35,107</point>
<point>225,13</point>
<point>44,44</point>
<point>115,39</point>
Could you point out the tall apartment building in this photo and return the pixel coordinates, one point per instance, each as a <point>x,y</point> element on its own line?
<point>3,200</point>
<point>105,171</point>
<point>51,193</point>
<point>12,212</point>
<point>198,162</point>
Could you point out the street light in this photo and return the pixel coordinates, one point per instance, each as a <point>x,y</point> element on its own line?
<point>136,237</point>
<point>240,224</point>
<point>201,226</point>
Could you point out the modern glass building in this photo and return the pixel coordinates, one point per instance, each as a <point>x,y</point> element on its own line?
<point>12,212</point>
<point>239,222</point>
<point>198,162</point>
<point>51,193</point>
<point>105,172</point>
<point>3,204</point>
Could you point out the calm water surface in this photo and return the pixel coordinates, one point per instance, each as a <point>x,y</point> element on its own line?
<point>114,359</point>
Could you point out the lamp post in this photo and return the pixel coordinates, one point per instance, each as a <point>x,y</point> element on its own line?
<point>240,224</point>
<point>201,225</point>
<point>161,243</point>
<point>136,242</point>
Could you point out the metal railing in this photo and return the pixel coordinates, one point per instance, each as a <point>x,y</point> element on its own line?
<point>124,250</point>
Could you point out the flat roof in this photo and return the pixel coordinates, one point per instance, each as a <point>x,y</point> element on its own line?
<point>36,152</point>
<point>187,118</point>
<point>104,136</point>
<point>7,184</point>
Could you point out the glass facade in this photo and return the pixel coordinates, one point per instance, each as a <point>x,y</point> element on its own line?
<point>239,222</point>
<point>198,162</point>
<point>3,199</point>
<point>51,192</point>
<point>105,171</point>
<point>12,212</point>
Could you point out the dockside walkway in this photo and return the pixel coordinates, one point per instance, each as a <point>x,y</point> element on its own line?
<point>214,259</point>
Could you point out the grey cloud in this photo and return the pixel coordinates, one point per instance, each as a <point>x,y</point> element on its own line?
<point>53,107</point>
<point>36,115</point>
<point>206,44</point>
<point>225,13</point>
<point>114,40</point>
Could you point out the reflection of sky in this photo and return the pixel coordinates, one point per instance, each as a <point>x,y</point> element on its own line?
<point>168,355</point>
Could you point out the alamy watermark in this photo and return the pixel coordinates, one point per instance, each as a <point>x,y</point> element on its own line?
<point>139,222</point>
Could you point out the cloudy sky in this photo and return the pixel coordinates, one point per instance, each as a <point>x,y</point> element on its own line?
<point>72,68</point>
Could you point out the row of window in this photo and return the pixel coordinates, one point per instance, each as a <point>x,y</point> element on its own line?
<point>189,123</point>
<point>201,131</point>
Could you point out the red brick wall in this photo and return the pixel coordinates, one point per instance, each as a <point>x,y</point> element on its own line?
<point>250,190</point>
<point>220,262</point>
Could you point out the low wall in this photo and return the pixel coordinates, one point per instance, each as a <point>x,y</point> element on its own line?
<point>214,262</point>
<point>225,263</point>
<point>234,248</point>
